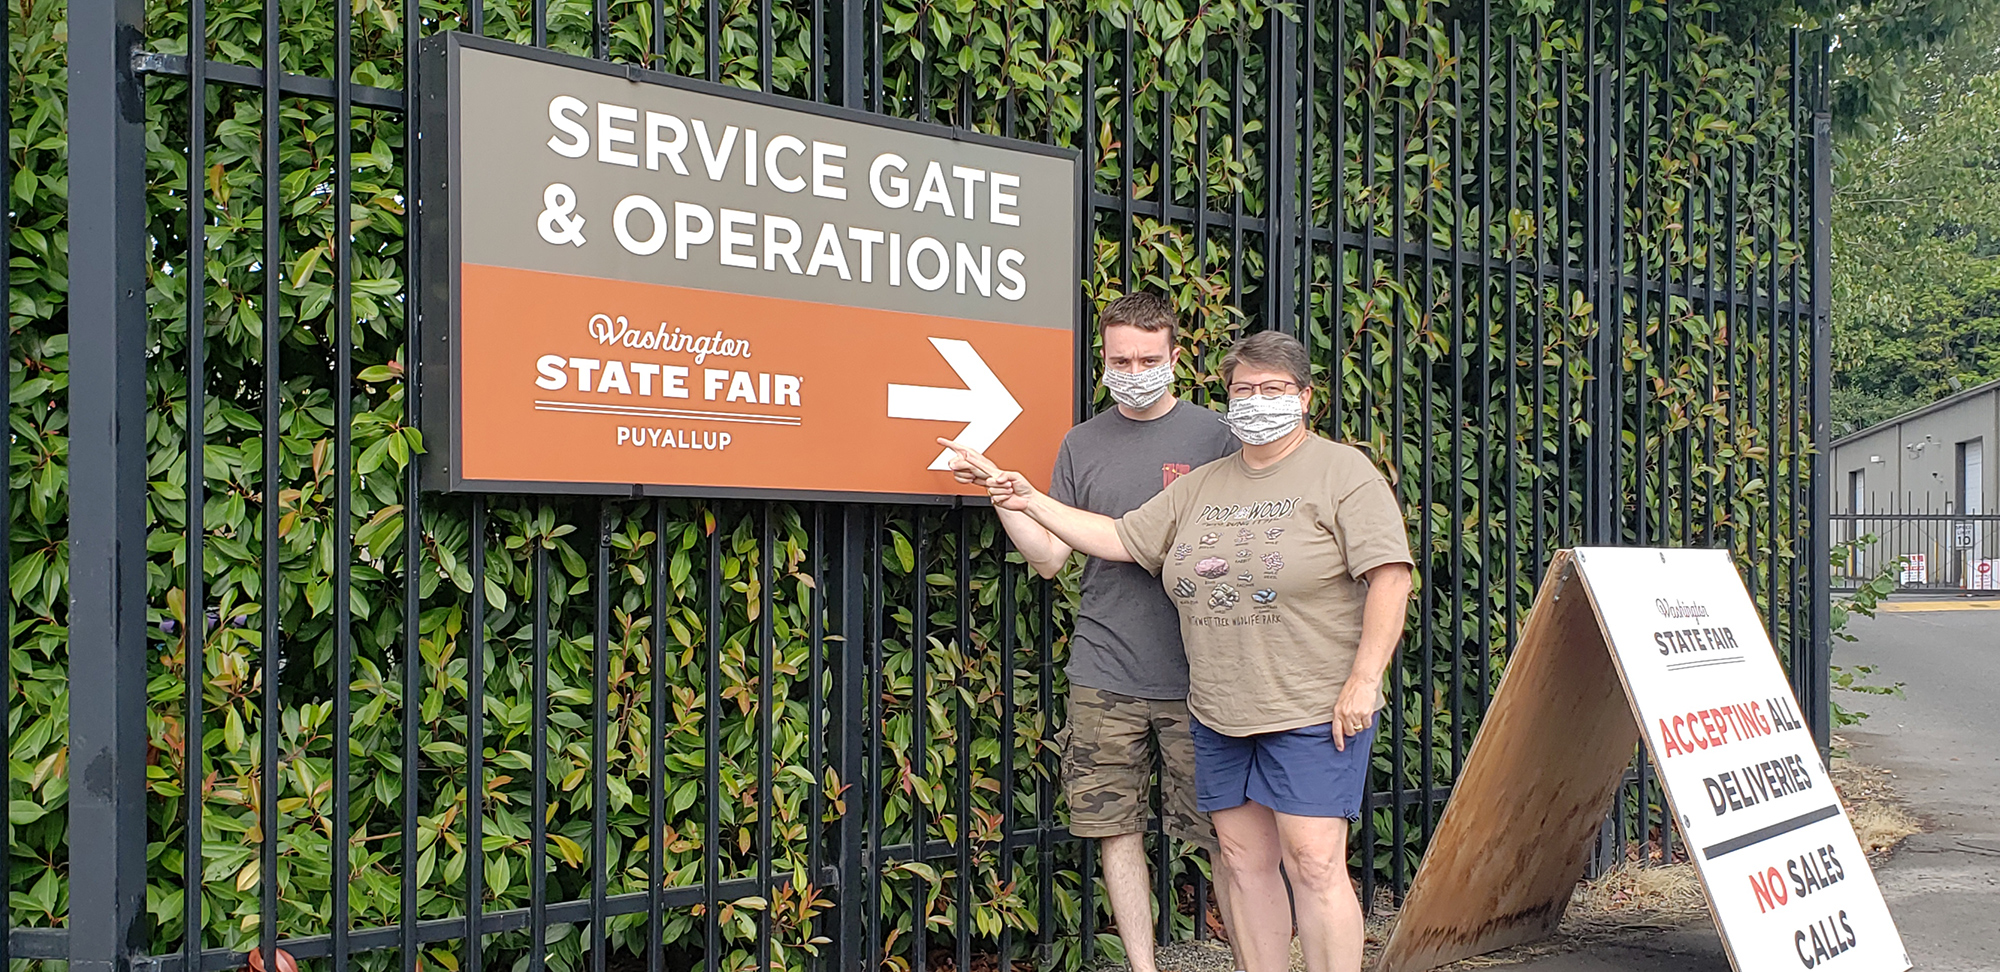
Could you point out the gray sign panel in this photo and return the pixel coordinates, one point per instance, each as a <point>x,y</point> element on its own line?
<point>569,169</point>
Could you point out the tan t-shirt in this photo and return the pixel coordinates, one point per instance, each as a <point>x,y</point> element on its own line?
<point>1262,564</point>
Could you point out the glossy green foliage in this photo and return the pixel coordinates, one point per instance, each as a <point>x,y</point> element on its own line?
<point>1466,377</point>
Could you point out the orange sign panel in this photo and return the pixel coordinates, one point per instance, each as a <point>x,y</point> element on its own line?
<point>642,285</point>
<point>571,379</point>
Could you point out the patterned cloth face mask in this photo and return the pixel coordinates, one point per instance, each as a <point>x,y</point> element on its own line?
<point>1258,419</point>
<point>1140,390</point>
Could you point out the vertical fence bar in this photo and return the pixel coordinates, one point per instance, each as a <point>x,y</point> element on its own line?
<point>1483,498</point>
<point>964,601</point>
<point>876,727</point>
<point>1604,525</point>
<point>766,637</point>
<point>850,954</point>
<point>7,496</point>
<point>1336,184</point>
<point>194,600</point>
<point>1045,808</point>
<point>1303,279</point>
<point>475,749</point>
<point>1125,159</point>
<point>271,646</point>
<point>1797,495</point>
<point>600,765</point>
<point>1565,420</point>
<point>1393,437</point>
<point>413,523</point>
<point>711,828</point>
<point>920,739</point>
<point>816,700</point>
<point>107,326</point>
<point>1426,434</point>
<point>656,744</point>
<point>343,476</point>
<point>1457,346</point>
<point>1810,672</point>
<point>1281,212</point>
<point>1009,643</point>
<point>538,762</point>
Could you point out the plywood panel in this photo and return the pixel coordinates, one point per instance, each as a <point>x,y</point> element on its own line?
<point>1517,832</point>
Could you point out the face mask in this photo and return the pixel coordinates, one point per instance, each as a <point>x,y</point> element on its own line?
<point>1139,391</point>
<point>1257,419</point>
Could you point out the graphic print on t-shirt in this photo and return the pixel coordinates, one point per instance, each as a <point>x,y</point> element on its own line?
<point>1250,596</point>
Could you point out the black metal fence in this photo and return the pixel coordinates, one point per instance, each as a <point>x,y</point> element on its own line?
<point>1917,549</point>
<point>1563,270</point>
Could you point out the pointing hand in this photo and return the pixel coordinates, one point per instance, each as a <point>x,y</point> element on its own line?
<point>969,465</point>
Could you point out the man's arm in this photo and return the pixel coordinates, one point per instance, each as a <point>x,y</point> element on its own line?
<point>1094,534</point>
<point>1383,615</point>
<point>1043,550</point>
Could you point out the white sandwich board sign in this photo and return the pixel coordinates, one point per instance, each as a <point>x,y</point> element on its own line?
<point>1690,662</point>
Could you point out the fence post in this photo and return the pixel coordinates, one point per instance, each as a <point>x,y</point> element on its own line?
<point>852,952</point>
<point>1812,656</point>
<point>107,488</point>
<point>1601,478</point>
<point>1281,178</point>
<point>852,60</point>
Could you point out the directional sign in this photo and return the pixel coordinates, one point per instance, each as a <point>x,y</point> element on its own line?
<point>1669,639</point>
<point>1785,876</point>
<point>641,285</point>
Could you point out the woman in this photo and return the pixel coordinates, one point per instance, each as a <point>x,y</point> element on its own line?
<point>1290,566</point>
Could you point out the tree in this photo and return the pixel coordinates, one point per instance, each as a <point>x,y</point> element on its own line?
<point>1916,237</point>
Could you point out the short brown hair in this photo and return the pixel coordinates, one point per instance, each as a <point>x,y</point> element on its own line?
<point>1275,350</point>
<point>1143,310</point>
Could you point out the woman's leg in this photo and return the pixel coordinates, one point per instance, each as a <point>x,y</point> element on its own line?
<point>1315,851</point>
<point>1260,918</point>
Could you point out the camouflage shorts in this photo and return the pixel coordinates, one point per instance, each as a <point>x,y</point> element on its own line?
<point>1108,752</point>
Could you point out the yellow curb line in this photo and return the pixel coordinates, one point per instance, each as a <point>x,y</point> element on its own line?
<point>1912,607</point>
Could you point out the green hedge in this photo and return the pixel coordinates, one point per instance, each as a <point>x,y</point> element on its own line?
<point>1444,395</point>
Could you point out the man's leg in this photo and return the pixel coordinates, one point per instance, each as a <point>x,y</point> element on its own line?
<point>1107,767</point>
<point>1259,916</point>
<point>1330,925</point>
<point>1129,883</point>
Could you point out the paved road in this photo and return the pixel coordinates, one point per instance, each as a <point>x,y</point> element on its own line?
<point>1943,744</point>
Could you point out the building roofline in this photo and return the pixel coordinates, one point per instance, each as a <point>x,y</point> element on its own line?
<point>1949,400</point>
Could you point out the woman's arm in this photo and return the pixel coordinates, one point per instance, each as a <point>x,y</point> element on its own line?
<point>1382,618</point>
<point>1091,533</point>
<point>1037,545</point>
<point>1094,534</point>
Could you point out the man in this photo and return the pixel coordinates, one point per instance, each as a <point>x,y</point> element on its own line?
<point>1128,674</point>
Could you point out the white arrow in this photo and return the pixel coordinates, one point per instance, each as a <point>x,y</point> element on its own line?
<point>983,404</point>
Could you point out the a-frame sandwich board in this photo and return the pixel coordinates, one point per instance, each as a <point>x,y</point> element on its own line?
<point>1668,640</point>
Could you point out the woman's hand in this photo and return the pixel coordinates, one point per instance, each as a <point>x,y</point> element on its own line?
<point>1355,711</point>
<point>1010,491</point>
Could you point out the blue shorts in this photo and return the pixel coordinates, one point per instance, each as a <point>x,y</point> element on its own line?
<point>1297,771</point>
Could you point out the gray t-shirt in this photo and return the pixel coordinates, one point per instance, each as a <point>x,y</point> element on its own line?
<point>1128,634</point>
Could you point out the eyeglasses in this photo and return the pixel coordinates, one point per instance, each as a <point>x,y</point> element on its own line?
<point>1269,389</point>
